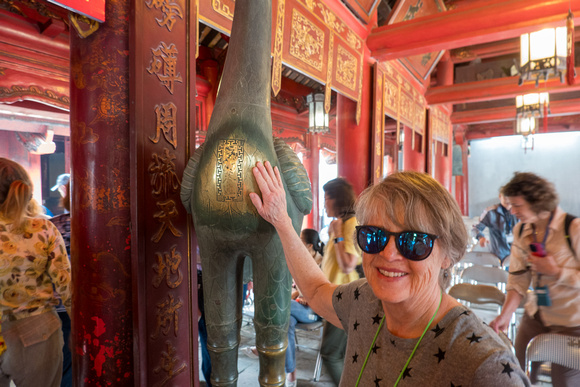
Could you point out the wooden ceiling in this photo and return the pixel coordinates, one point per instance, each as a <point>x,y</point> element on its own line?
<point>479,38</point>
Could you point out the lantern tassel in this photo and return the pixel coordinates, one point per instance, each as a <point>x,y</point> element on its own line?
<point>570,70</point>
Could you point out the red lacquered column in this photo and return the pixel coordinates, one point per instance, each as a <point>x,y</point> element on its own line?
<point>311,164</point>
<point>352,140</point>
<point>100,250</point>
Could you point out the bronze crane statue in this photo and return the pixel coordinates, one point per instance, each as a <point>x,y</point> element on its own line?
<point>215,190</point>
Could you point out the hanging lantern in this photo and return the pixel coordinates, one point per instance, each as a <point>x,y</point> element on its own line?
<point>543,53</point>
<point>529,109</point>
<point>317,118</point>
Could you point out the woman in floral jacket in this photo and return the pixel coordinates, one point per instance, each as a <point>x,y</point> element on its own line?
<point>33,258</point>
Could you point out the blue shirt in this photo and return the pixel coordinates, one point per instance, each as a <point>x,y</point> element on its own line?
<point>501,224</point>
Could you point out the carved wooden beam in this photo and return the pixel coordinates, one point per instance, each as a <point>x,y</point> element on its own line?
<point>508,113</point>
<point>466,26</point>
<point>492,89</point>
<point>30,119</point>
<point>506,128</point>
<point>490,50</point>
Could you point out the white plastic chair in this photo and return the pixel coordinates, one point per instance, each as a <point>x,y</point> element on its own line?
<point>487,275</point>
<point>554,348</point>
<point>481,258</point>
<point>477,294</point>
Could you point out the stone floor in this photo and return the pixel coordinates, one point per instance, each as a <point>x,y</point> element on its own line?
<point>308,342</point>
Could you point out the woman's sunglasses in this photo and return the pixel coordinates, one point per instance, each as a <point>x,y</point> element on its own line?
<point>413,245</point>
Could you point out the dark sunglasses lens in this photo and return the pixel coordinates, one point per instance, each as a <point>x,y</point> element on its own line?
<point>415,246</point>
<point>371,239</point>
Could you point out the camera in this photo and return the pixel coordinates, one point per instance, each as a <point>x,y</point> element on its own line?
<point>537,249</point>
<point>543,296</point>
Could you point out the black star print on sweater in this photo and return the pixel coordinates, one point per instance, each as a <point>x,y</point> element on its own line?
<point>339,296</point>
<point>473,338</point>
<point>355,358</point>
<point>407,372</point>
<point>376,319</point>
<point>355,325</point>
<point>507,369</point>
<point>376,348</point>
<point>453,385</point>
<point>440,355</point>
<point>437,330</point>
<point>393,342</point>
<point>377,380</point>
<point>356,294</point>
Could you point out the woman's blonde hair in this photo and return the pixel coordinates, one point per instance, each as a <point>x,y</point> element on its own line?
<point>16,203</point>
<point>415,201</point>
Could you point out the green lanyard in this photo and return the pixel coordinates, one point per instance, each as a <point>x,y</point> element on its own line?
<point>412,353</point>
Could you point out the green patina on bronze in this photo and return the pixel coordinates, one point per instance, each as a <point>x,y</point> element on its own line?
<point>215,190</point>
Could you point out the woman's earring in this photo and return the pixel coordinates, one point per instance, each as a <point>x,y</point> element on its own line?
<point>446,273</point>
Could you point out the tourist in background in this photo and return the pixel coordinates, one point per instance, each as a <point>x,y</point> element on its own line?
<point>33,259</point>
<point>545,256</point>
<point>500,223</point>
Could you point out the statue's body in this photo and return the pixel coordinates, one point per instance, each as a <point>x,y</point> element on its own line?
<point>215,190</point>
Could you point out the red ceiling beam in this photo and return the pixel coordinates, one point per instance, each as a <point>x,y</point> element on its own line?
<point>555,125</point>
<point>492,89</point>
<point>466,26</point>
<point>489,50</point>
<point>508,113</point>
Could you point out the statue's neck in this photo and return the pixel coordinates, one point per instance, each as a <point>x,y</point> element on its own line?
<point>246,75</point>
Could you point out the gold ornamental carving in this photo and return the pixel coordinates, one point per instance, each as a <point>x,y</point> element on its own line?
<point>360,89</point>
<point>328,89</point>
<point>223,9</point>
<point>391,93</point>
<point>306,41</point>
<point>346,66</point>
<point>353,40</point>
<point>331,20</point>
<point>229,171</point>
<point>278,46</point>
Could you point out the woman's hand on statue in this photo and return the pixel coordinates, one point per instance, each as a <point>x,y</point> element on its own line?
<point>272,205</point>
<point>500,323</point>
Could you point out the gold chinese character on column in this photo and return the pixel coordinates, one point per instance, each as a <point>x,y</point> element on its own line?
<point>168,364</point>
<point>171,11</point>
<point>167,266</point>
<point>167,313</point>
<point>163,64</point>
<point>166,123</point>
<point>168,212</point>
<point>164,179</point>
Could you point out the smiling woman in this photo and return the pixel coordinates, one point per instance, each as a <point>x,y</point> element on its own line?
<point>411,234</point>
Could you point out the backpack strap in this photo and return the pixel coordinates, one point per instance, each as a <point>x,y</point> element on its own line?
<point>567,221</point>
<point>521,229</point>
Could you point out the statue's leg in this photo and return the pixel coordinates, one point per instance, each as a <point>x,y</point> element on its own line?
<point>272,283</point>
<point>222,288</point>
